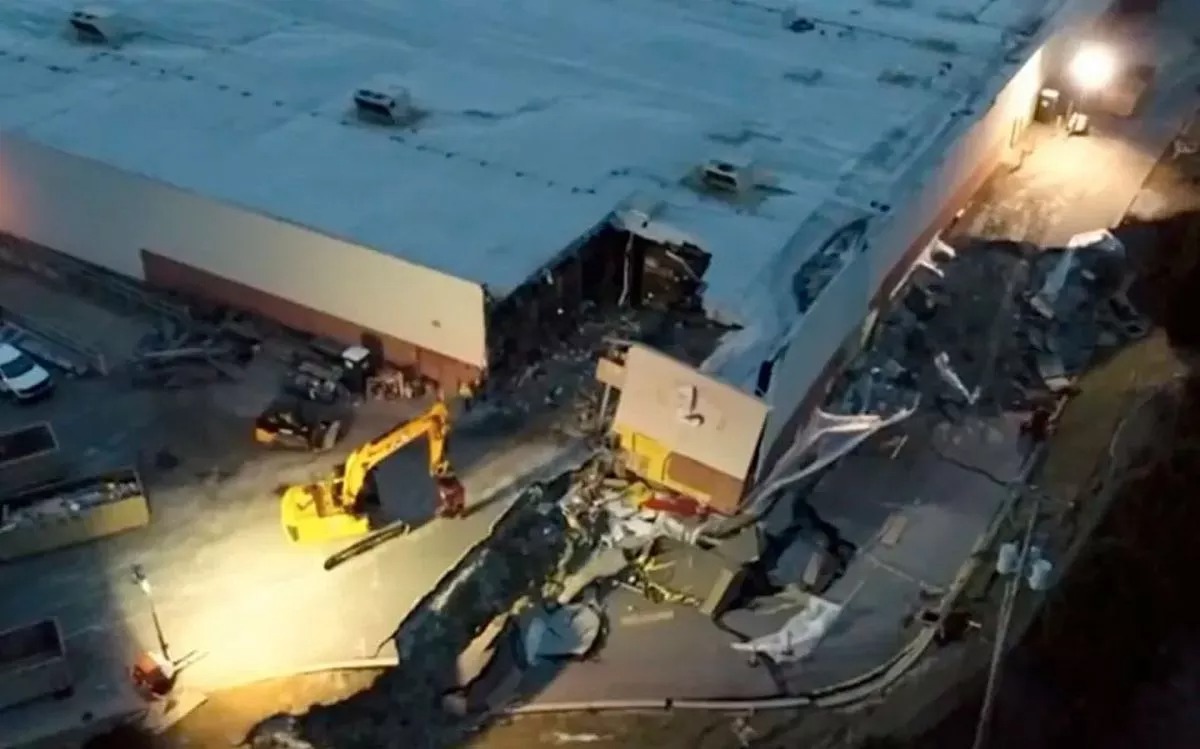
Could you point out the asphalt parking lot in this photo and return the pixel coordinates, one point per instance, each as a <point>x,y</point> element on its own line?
<point>226,581</point>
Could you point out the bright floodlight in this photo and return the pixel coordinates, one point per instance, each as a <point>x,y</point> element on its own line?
<point>1093,67</point>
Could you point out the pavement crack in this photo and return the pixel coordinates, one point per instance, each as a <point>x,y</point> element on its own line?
<point>977,470</point>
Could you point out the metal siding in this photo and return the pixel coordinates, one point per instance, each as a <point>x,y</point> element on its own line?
<point>106,216</point>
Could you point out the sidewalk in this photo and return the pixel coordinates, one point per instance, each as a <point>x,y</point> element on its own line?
<point>1071,185</point>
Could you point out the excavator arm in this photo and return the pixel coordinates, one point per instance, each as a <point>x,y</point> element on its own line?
<point>332,508</point>
<point>434,424</point>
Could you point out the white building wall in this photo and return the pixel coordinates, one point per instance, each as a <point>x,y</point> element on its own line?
<point>844,305</point>
<point>840,312</point>
<point>106,217</point>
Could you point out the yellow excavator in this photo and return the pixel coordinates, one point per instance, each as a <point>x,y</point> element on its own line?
<point>337,507</point>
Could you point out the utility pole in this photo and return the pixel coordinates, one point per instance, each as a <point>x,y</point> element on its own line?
<point>1007,606</point>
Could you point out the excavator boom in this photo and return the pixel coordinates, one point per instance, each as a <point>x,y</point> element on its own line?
<point>333,508</point>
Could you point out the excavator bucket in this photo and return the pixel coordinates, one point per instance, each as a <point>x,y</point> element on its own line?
<point>451,497</point>
<point>310,516</point>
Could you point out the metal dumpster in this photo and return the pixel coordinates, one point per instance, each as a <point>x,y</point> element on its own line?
<point>33,663</point>
<point>29,457</point>
<point>72,512</point>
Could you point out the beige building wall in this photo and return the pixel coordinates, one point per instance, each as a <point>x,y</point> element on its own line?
<point>109,217</point>
<point>948,180</point>
<point>825,338</point>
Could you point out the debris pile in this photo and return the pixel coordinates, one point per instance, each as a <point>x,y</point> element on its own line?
<point>176,355</point>
<point>395,384</point>
<point>563,374</point>
<point>1078,307</point>
<point>1002,324</point>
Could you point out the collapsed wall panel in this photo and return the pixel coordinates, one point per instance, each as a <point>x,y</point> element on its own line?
<point>685,431</point>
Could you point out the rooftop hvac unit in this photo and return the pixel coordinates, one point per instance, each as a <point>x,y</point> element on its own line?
<point>383,102</point>
<point>727,175</point>
<point>96,25</point>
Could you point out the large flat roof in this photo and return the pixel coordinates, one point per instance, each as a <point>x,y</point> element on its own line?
<point>537,120</point>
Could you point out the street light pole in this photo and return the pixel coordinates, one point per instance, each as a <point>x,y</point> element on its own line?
<point>140,579</point>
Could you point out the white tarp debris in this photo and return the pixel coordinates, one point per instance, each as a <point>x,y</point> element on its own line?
<point>569,630</point>
<point>825,438</point>
<point>799,636</point>
<point>951,378</point>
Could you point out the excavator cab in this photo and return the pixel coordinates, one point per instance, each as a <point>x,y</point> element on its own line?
<point>337,507</point>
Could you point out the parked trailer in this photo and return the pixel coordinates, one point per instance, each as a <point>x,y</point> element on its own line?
<point>29,458</point>
<point>72,512</point>
<point>33,664</point>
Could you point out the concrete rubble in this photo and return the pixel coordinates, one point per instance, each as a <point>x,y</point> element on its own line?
<point>1000,324</point>
<point>560,631</point>
<point>68,503</point>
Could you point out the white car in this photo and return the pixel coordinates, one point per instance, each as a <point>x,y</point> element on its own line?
<point>22,377</point>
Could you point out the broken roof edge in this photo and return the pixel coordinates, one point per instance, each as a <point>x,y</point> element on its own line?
<point>497,294</point>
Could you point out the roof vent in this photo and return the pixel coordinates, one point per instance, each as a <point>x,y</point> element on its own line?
<point>726,175</point>
<point>96,25</point>
<point>384,101</point>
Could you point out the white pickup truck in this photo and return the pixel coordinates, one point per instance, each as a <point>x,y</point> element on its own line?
<point>20,376</point>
